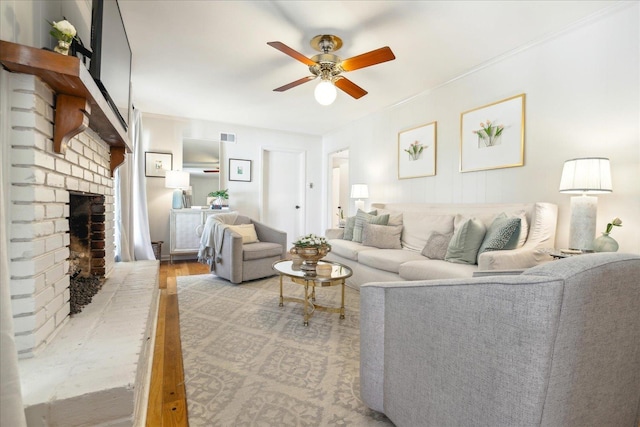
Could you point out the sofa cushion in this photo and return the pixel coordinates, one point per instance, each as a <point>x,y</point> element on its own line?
<point>348,249</point>
<point>466,240</point>
<point>259,250</point>
<point>382,236</point>
<point>437,244</point>
<point>387,259</point>
<point>429,269</point>
<point>362,218</point>
<point>418,226</point>
<point>502,234</point>
<point>247,231</point>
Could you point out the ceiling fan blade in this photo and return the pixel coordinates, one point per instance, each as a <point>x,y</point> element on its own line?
<point>350,87</point>
<point>294,84</point>
<point>292,53</point>
<point>374,57</point>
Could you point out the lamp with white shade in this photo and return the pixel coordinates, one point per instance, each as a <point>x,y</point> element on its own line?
<point>585,176</point>
<point>359,191</point>
<point>180,181</point>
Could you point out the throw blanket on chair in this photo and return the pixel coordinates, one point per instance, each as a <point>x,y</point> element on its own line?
<point>212,236</point>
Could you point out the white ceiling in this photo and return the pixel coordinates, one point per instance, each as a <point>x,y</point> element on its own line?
<point>210,59</point>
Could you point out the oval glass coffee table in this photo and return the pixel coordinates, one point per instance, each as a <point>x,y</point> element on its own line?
<point>322,277</point>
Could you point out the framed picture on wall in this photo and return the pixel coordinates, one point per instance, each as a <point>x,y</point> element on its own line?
<point>157,164</point>
<point>417,151</point>
<point>492,136</point>
<point>239,170</point>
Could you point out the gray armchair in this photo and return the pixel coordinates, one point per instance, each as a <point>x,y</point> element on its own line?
<point>238,262</point>
<point>558,345</point>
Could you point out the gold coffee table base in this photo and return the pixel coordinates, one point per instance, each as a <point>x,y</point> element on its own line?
<point>310,307</point>
<point>336,278</point>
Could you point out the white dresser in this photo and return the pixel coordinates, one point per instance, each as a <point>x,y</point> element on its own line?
<point>183,224</point>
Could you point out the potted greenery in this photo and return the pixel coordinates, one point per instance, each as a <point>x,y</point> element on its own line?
<point>219,197</point>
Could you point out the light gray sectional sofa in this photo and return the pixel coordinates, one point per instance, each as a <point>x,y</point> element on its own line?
<point>420,222</point>
<point>558,345</point>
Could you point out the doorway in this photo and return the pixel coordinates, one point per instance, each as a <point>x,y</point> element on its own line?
<point>283,195</point>
<point>339,176</point>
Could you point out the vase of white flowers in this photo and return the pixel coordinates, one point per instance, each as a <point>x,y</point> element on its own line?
<point>606,243</point>
<point>64,32</point>
<point>311,249</point>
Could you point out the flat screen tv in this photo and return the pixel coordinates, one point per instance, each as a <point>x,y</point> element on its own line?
<point>110,64</point>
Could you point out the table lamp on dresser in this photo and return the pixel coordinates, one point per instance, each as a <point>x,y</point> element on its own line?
<point>180,181</point>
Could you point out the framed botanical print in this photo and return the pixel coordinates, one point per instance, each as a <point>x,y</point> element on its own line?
<point>417,151</point>
<point>492,136</point>
<point>239,170</point>
<point>157,164</point>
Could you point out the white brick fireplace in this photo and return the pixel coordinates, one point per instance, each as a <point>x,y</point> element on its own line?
<point>92,368</point>
<point>40,184</point>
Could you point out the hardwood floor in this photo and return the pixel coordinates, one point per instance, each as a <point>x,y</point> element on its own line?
<point>167,398</point>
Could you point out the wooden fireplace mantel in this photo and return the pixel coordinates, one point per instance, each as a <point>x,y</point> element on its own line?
<point>79,101</point>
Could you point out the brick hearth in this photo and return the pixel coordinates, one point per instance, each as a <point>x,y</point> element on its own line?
<point>97,370</point>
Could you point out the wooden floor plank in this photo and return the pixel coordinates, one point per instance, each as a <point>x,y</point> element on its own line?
<point>167,394</point>
<point>154,408</point>
<point>175,414</point>
<point>164,270</point>
<point>198,268</point>
<point>173,376</point>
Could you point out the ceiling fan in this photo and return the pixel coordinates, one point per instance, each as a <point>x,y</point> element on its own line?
<point>329,67</point>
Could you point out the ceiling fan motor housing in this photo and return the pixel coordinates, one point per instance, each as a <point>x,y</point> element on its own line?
<point>327,65</point>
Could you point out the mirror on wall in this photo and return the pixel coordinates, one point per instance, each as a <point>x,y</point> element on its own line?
<point>201,158</point>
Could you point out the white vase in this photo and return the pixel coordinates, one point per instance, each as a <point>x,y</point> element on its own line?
<point>605,243</point>
<point>62,47</point>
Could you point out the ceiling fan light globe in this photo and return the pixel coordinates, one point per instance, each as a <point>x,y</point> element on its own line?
<point>325,93</point>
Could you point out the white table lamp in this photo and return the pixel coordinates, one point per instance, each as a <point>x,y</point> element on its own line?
<point>591,175</point>
<point>359,191</point>
<point>178,180</point>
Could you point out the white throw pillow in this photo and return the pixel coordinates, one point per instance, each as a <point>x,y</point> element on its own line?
<point>247,231</point>
<point>381,236</point>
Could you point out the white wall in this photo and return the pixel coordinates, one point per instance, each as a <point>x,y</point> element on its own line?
<point>25,22</point>
<point>582,99</point>
<point>164,134</point>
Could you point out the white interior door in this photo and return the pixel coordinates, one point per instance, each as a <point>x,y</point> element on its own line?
<point>339,196</point>
<point>283,203</point>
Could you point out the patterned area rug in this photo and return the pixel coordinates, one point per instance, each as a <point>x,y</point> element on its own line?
<point>248,362</point>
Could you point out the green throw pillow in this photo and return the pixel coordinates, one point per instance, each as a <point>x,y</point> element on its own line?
<point>348,228</point>
<point>502,234</point>
<point>362,218</point>
<point>351,222</point>
<point>466,240</point>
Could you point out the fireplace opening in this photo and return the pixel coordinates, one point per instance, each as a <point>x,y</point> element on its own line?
<point>86,248</point>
